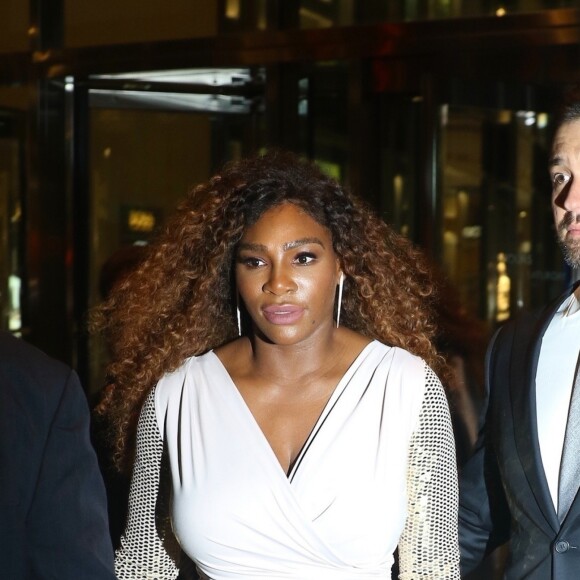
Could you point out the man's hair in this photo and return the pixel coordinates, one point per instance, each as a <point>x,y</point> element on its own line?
<point>569,108</point>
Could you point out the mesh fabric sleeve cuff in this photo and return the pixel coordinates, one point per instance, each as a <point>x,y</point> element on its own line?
<point>141,554</point>
<point>428,547</point>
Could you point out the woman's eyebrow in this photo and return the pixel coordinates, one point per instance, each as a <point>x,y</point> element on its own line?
<point>301,242</point>
<point>254,247</point>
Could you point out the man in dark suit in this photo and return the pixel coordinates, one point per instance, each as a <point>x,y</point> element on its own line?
<point>522,484</point>
<point>53,514</point>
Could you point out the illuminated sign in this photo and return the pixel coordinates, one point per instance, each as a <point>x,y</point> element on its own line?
<point>138,223</point>
<point>140,220</point>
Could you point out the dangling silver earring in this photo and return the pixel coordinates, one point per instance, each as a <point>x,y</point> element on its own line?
<point>238,314</point>
<point>340,285</point>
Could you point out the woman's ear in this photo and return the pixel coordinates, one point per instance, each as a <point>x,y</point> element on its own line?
<point>339,271</point>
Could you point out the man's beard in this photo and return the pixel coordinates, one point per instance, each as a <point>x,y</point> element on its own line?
<point>570,247</point>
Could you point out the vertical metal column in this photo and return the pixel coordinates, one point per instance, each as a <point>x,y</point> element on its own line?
<point>49,250</point>
<point>364,154</point>
<point>428,194</point>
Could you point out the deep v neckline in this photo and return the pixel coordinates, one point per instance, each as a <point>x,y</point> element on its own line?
<point>327,408</point>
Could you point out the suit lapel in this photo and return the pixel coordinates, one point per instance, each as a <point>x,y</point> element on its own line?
<point>524,363</point>
<point>574,511</point>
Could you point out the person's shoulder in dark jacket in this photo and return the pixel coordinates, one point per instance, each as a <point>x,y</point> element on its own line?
<point>53,519</point>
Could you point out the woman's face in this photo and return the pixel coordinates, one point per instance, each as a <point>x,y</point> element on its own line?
<point>286,275</point>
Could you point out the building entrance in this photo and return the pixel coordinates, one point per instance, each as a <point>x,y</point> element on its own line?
<point>150,138</point>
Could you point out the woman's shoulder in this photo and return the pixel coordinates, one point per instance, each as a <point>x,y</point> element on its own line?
<point>172,382</point>
<point>404,374</point>
<point>401,358</point>
<point>176,375</point>
<point>396,361</point>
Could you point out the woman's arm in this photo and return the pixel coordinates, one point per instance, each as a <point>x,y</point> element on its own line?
<point>428,547</point>
<point>142,555</point>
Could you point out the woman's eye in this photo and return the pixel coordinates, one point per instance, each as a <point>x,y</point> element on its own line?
<point>305,258</point>
<point>251,262</point>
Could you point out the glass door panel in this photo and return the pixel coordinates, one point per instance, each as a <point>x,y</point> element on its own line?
<point>496,236</point>
<point>323,117</point>
<point>401,131</point>
<point>10,225</point>
<point>146,150</point>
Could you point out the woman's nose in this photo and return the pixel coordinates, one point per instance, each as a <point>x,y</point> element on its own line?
<point>279,282</point>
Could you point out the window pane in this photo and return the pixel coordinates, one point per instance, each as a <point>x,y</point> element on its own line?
<point>14,23</point>
<point>89,23</point>
<point>497,241</point>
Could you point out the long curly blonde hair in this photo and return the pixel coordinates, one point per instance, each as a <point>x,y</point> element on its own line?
<point>180,301</point>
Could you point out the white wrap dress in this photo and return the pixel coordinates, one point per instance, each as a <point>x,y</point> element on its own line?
<point>377,471</point>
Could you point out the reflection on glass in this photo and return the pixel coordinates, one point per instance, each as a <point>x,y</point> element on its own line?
<point>136,182</point>
<point>327,13</point>
<point>502,291</point>
<point>14,317</point>
<point>239,15</point>
<point>322,108</point>
<point>10,224</point>
<point>497,244</point>
<point>143,160</point>
<point>232,9</point>
<point>400,134</point>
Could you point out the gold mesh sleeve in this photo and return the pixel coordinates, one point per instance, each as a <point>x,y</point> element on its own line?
<point>428,547</point>
<point>142,554</point>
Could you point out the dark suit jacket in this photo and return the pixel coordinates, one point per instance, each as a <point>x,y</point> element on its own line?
<point>53,518</point>
<point>503,488</point>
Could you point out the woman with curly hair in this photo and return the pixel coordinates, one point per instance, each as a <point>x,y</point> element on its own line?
<point>274,354</point>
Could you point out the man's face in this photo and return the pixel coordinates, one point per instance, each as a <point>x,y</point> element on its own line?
<point>565,177</point>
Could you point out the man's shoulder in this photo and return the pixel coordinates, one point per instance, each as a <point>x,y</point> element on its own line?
<point>529,322</point>
<point>17,351</point>
<point>23,364</point>
<point>524,322</point>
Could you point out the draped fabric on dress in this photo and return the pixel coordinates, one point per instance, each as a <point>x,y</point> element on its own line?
<point>341,511</point>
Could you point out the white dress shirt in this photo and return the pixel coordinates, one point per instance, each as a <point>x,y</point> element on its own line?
<point>554,380</point>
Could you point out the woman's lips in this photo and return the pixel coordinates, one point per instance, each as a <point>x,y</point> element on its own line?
<point>282,313</point>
